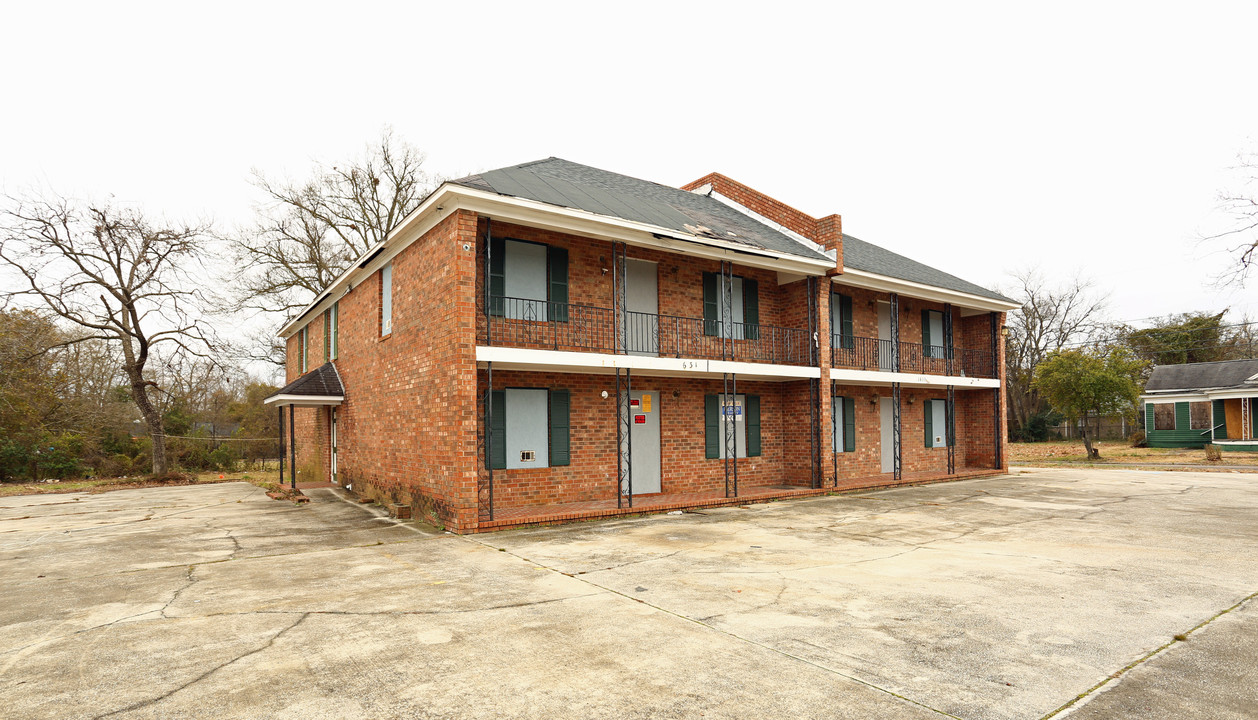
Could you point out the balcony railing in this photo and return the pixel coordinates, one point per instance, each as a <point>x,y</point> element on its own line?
<point>543,325</point>
<point>860,353</point>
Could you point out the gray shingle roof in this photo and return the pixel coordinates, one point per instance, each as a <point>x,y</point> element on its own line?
<point>323,381</point>
<point>1203,376</point>
<point>860,255</point>
<point>568,184</point>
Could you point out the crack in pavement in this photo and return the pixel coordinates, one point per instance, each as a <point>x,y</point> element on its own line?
<point>204,675</point>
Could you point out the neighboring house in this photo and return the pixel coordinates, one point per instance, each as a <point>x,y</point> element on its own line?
<point>1199,403</point>
<point>551,341</point>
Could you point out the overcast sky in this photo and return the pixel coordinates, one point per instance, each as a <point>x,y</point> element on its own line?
<point>978,138</point>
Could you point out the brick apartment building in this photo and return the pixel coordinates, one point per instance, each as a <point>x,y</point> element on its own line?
<point>551,341</point>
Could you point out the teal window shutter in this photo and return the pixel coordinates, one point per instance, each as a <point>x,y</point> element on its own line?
<point>926,335</point>
<point>497,275</point>
<point>709,304</point>
<point>751,310</point>
<point>711,427</point>
<point>930,430</point>
<point>560,431</point>
<point>1183,418</point>
<point>845,321</point>
<point>557,308</point>
<point>849,424</point>
<point>1218,419</point>
<point>498,430</point>
<point>753,425</point>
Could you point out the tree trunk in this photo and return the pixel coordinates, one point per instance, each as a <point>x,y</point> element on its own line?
<point>1093,453</point>
<point>152,419</point>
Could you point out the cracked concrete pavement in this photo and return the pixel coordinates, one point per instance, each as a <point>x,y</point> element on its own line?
<point>1047,593</point>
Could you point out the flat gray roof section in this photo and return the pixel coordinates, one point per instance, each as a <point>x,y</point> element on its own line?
<point>860,255</point>
<point>567,184</point>
<point>1226,374</point>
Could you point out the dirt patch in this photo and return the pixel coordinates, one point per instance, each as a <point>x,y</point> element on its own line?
<point>1050,453</point>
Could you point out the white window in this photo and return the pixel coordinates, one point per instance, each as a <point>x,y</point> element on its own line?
<point>386,299</point>
<point>525,280</point>
<point>528,437</point>
<point>334,323</point>
<point>734,406</point>
<point>933,335</point>
<point>937,413</point>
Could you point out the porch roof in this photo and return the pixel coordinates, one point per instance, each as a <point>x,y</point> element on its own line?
<point>319,387</point>
<point>1211,377</point>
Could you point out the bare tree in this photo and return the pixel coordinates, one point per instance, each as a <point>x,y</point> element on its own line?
<point>114,277</point>
<point>1242,237</point>
<point>1051,318</point>
<point>306,234</point>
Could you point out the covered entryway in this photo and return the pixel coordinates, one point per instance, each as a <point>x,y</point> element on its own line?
<point>320,389</point>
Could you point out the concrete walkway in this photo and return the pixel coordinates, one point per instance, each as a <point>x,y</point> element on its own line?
<point>1053,592</point>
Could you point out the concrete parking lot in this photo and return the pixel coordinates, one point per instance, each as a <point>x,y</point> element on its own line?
<point>1045,593</point>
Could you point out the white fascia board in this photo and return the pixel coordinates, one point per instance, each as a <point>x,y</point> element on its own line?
<point>882,377</point>
<point>304,400</point>
<point>1178,397</point>
<point>734,204</point>
<point>1232,394</point>
<point>883,283</point>
<point>448,198</point>
<point>582,362</point>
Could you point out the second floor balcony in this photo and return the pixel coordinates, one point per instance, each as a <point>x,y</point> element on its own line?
<point>862,353</point>
<point>545,325</point>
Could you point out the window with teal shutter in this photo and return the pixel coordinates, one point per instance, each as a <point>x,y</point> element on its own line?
<point>711,283</point>
<point>560,432</point>
<point>498,429</point>
<point>497,275</point>
<point>711,427</point>
<point>557,261</point>
<point>753,425</point>
<point>751,311</point>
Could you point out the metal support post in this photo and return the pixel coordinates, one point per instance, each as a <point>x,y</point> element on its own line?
<point>950,434</point>
<point>620,310</point>
<point>897,441</point>
<point>948,339</point>
<point>485,490</point>
<point>996,418</point>
<point>834,437</point>
<point>624,439</point>
<point>729,397</point>
<point>292,446</point>
<point>489,244</point>
<point>281,409</point>
<point>895,332</point>
<point>814,432</point>
<point>727,310</point>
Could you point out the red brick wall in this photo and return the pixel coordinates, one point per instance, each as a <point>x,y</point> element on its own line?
<point>592,474</point>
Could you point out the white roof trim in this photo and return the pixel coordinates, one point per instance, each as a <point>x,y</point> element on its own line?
<point>884,283</point>
<point>449,197</point>
<point>304,400</point>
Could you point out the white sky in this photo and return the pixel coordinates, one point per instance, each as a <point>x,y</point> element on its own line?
<point>977,138</point>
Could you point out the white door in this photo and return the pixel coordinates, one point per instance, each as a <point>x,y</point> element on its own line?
<point>644,423</point>
<point>888,435</point>
<point>886,345</point>
<point>642,334</point>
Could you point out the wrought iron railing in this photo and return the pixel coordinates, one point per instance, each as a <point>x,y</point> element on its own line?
<point>539,324</point>
<point>859,353</point>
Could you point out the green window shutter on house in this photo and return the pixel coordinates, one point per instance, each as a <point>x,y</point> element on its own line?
<point>557,309</point>
<point>1218,419</point>
<point>751,310</point>
<point>709,304</point>
<point>1183,417</point>
<point>926,333</point>
<point>498,429</point>
<point>1148,419</point>
<point>497,275</point>
<point>711,427</point>
<point>560,432</point>
<point>845,321</point>
<point>930,421</point>
<point>849,424</point>
<point>753,425</point>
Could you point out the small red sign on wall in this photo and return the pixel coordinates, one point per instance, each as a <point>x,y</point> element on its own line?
<point>639,419</point>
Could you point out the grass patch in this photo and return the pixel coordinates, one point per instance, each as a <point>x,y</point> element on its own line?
<point>267,480</point>
<point>1114,451</point>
